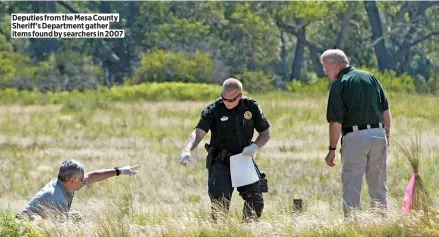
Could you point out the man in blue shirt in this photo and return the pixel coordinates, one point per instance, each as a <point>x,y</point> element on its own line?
<point>56,197</point>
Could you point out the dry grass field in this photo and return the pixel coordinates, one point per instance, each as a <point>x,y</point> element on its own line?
<point>166,199</point>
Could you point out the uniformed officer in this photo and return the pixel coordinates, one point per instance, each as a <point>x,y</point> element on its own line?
<point>55,198</point>
<point>232,119</point>
<point>358,109</point>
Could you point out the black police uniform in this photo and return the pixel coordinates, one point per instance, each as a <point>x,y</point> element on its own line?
<point>232,130</point>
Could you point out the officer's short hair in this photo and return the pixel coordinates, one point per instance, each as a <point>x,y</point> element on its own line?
<point>69,168</point>
<point>334,55</point>
<point>232,84</point>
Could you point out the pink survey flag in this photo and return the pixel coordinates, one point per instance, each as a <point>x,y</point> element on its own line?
<point>407,203</point>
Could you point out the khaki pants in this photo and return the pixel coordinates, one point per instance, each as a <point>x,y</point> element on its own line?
<point>364,152</point>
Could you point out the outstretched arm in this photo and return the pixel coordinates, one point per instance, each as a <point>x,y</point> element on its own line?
<point>100,175</point>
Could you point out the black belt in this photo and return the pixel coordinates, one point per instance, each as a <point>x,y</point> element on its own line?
<point>361,127</point>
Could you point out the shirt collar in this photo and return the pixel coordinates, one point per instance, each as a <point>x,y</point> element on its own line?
<point>344,71</point>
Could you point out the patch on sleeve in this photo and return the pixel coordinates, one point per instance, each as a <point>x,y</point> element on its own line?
<point>208,109</point>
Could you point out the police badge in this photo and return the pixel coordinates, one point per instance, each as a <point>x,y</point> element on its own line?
<point>248,115</point>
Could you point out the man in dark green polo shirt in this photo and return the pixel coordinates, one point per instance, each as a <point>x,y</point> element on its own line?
<point>358,109</point>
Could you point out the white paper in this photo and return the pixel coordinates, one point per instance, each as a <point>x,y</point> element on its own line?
<point>242,170</point>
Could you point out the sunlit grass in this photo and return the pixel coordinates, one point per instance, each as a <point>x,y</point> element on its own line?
<point>166,199</point>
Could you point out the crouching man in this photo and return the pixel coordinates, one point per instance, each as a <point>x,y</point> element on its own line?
<point>56,197</point>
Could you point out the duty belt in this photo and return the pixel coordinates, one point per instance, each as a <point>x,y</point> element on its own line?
<point>224,156</point>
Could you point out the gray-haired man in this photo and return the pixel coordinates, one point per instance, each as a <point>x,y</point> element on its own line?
<point>358,108</point>
<point>57,196</point>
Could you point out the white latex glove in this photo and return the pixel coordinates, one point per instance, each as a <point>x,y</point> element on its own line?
<point>129,170</point>
<point>250,150</point>
<point>185,156</point>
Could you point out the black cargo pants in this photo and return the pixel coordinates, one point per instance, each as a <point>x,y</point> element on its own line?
<point>220,193</point>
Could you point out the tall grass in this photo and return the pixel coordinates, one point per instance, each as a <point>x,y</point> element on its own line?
<point>166,199</point>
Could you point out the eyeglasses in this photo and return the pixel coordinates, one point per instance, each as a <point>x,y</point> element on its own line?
<point>230,100</point>
<point>326,66</point>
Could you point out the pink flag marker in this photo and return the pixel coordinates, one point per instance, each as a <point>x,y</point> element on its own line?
<point>407,203</point>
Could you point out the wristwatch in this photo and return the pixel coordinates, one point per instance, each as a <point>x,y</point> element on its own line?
<point>332,148</point>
